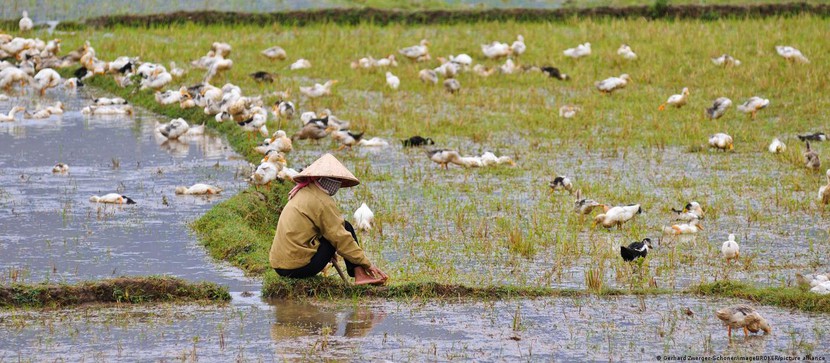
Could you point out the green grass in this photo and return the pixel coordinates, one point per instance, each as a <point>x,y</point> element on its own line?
<point>123,290</point>
<point>786,297</point>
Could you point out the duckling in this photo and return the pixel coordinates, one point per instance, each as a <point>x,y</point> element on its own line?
<point>45,79</point>
<point>721,141</point>
<point>691,227</point>
<point>518,47</point>
<point>198,189</point>
<point>112,198</point>
<point>584,206</point>
<point>626,52</point>
<point>363,218</point>
<point>563,182</point>
<point>318,90</point>
<point>428,75</point>
<point>811,159</point>
<point>743,316</point>
<point>300,64</point>
<point>818,136</point>
<point>416,52</point>
<point>345,137</point>
<point>791,54</point>
<point>25,23</point>
<point>582,50</point>
<point>677,101</point>
<point>753,105</point>
<point>60,168</point>
<point>275,53</point>
<point>311,131</point>
<point>444,156</point>
<point>730,249</point>
<point>417,141</point>
<point>173,129</point>
<point>612,84</point>
<point>718,108</point>
<point>554,72</point>
<point>726,60</point>
<point>568,111</point>
<point>262,76</point>
<point>777,147</point>
<point>10,116</point>
<point>690,212</point>
<point>393,81</point>
<point>635,250</point>
<point>452,85</point>
<point>824,191</point>
<point>616,216</point>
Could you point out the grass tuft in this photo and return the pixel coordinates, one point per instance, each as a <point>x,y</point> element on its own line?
<point>788,297</point>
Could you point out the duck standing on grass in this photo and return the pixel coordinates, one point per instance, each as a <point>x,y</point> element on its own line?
<point>730,249</point>
<point>753,105</point>
<point>584,206</point>
<point>616,216</point>
<point>743,316</point>
<point>635,250</point>
<point>721,141</point>
<point>690,212</point>
<point>310,229</point>
<point>562,182</point>
<point>612,84</point>
<point>811,159</point>
<point>363,218</point>
<point>677,101</point>
<point>777,147</point>
<point>718,108</point>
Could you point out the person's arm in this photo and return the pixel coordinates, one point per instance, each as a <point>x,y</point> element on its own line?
<point>332,229</point>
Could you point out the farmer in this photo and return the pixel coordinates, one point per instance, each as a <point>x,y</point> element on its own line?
<point>310,229</point>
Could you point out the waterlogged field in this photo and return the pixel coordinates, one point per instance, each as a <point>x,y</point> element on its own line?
<point>503,225</point>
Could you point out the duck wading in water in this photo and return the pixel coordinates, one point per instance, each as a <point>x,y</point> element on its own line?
<point>311,230</point>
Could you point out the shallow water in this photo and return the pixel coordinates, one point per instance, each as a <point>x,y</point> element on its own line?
<point>585,329</point>
<point>50,231</point>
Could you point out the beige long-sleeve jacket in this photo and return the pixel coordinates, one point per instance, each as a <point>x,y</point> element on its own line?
<point>311,214</point>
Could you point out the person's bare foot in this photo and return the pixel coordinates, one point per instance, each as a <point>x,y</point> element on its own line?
<point>361,277</point>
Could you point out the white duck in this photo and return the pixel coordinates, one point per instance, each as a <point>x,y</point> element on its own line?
<point>791,54</point>
<point>107,110</point>
<point>777,147</point>
<point>157,80</point>
<point>721,141</point>
<point>616,216</point>
<point>509,67</point>
<point>489,159</point>
<point>690,212</point>
<point>112,198</point>
<point>300,64</point>
<point>726,60</point>
<point>267,172</point>
<point>518,47</point>
<point>495,50</point>
<point>691,227</point>
<point>393,81</point>
<point>753,105</point>
<point>45,79</point>
<point>10,116</point>
<point>25,23</point>
<point>416,52</point>
<point>580,51</point>
<point>730,249</point>
<point>444,157</point>
<point>373,142</point>
<point>363,218</point>
<point>568,111</point>
<point>173,129</point>
<point>612,84</point>
<point>626,52</point>
<point>677,101</point>
<point>256,121</point>
<point>10,76</point>
<point>275,53</point>
<point>198,189</point>
<point>718,108</point>
<point>318,90</point>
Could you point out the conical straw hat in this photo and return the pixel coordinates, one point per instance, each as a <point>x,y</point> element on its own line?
<point>328,166</point>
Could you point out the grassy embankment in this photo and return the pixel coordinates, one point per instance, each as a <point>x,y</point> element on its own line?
<point>526,236</point>
<point>125,290</point>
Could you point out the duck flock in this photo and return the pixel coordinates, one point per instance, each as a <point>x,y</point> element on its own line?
<point>31,62</point>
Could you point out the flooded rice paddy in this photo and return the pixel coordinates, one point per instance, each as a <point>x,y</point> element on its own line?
<point>585,329</point>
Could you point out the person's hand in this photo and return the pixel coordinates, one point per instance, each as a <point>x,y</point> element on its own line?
<point>376,272</point>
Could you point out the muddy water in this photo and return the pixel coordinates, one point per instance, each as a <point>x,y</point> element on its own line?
<point>593,329</point>
<point>49,231</point>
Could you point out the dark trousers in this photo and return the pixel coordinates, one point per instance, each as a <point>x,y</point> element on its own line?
<point>325,251</point>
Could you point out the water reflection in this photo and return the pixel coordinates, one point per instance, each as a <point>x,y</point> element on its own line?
<point>297,318</point>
